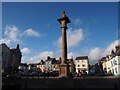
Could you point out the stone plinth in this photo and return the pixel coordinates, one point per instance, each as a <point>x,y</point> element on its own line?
<point>63,71</point>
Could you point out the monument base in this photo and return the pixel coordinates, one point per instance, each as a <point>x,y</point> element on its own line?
<point>63,71</point>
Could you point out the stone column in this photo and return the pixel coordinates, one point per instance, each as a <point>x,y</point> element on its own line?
<point>64,66</point>
<point>64,46</point>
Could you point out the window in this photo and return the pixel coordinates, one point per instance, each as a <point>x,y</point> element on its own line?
<point>116,70</point>
<point>78,65</point>
<point>83,65</point>
<point>2,53</point>
<point>113,71</point>
<point>115,63</point>
<point>111,63</point>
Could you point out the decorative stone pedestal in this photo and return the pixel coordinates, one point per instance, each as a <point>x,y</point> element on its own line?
<point>63,71</point>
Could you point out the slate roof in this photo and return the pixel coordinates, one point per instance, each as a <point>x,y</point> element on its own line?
<point>81,57</point>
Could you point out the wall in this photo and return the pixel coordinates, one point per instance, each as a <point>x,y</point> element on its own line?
<point>108,66</point>
<point>41,67</point>
<point>116,66</point>
<point>6,58</point>
<point>82,62</point>
<point>35,83</point>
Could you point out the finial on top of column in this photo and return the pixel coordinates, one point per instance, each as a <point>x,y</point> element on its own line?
<point>63,14</point>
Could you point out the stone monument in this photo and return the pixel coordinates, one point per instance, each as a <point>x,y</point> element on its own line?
<point>64,69</point>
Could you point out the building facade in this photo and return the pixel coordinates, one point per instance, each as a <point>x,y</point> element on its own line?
<point>108,66</point>
<point>23,68</point>
<point>56,65</point>
<point>71,65</point>
<point>115,65</point>
<point>5,55</point>
<point>41,66</point>
<point>11,58</point>
<point>48,64</point>
<point>16,57</point>
<point>82,64</point>
<point>51,64</point>
<point>112,62</point>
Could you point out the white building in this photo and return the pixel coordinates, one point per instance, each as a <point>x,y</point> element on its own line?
<point>82,64</point>
<point>112,63</point>
<point>41,66</point>
<point>115,65</point>
<point>108,66</point>
<point>103,62</point>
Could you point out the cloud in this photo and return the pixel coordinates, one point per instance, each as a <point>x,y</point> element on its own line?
<point>5,40</point>
<point>97,53</point>
<point>39,57</point>
<point>43,56</point>
<point>78,21</point>
<point>11,32</point>
<point>74,37</point>
<point>94,54</point>
<point>25,51</point>
<point>31,32</point>
<point>111,47</point>
<point>72,55</point>
<point>11,35</point>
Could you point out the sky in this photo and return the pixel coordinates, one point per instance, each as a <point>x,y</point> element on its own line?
<point>93,30</point>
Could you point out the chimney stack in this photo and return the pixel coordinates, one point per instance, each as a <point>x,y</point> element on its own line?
<point>117,48</point>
